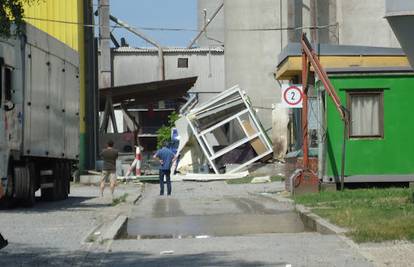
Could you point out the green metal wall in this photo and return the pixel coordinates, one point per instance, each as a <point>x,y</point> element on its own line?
<point>393,154</point>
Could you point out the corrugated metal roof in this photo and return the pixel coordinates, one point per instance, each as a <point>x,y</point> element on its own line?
<point>168,50</point>
<point>143,93</point>
<point>294,49</point>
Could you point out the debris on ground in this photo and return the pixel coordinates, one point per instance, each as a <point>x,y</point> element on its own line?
<point>205,177</point>
<point>223,131</point>
<point>167,252</point>
<point>261,180</point>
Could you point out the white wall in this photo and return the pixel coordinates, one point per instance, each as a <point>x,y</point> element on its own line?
<point>138,67</point>
<point>251,56</point>
<point>363,23</point>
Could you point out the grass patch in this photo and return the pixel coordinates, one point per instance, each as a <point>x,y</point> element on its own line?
<point>372,215</point>
<point>91,239</point>
<point>119,200</point>
<point>248,179</point>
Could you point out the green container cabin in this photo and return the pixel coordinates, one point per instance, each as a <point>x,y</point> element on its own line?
<point>377,87</point>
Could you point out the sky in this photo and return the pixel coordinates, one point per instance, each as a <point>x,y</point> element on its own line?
<point>179,14</point>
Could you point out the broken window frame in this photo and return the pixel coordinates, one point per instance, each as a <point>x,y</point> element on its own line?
<point>218,102</point>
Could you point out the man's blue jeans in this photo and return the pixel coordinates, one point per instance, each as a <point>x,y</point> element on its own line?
<point>167,175</point>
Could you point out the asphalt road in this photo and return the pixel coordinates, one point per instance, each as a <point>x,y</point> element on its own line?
<point>202,224</point>
<point>55,233</point>
<point>215,224</point>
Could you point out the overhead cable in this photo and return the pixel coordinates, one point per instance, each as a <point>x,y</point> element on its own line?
<point>187,29</point>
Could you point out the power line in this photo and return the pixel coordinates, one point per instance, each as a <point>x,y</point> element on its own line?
<point>187,29</point>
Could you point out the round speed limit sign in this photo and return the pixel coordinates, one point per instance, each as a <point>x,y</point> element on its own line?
<point>292,96</point>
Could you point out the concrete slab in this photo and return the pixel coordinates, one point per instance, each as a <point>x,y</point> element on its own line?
<point>303,249</point>
<point>90,179</point>
<point>116,228</point>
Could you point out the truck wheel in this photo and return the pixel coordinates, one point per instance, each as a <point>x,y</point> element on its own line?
<point>24,186</point>
<point>30,200</point>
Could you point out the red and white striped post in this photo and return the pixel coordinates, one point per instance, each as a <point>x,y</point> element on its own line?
<point>138,159</point>
<point>136,163</point>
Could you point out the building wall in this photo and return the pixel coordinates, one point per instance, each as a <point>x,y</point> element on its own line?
<point>364,23</point>
<point>251,55</point>
<point>389,155</point>
<point>140,67</point>
<point>58,18</point>
<point>341,21</point>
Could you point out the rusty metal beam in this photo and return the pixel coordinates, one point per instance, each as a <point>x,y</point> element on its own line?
<point>310,57</point>
<point>313,59</point>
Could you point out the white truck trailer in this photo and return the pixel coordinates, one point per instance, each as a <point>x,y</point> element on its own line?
<point>39,116</point>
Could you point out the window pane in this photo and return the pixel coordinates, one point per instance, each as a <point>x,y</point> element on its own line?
<point>365,112</point>
<point>182,63</point>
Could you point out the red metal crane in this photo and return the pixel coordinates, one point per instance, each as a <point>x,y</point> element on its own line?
<point>309,58</point>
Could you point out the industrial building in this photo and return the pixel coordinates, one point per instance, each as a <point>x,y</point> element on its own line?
<point>240,42</point>
<point>255,34</point>
<point>140,65</point>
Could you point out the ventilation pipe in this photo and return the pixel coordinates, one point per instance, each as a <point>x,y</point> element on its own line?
<point>400,15</point>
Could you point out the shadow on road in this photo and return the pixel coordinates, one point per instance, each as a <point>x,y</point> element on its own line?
<point>72,203</point>
<point>19,255</point>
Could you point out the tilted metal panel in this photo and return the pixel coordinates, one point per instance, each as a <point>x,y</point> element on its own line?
<point>254,133</point>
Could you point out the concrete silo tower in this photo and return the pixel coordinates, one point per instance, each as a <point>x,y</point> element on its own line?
<point>252,50</point>
<point>363,23</point>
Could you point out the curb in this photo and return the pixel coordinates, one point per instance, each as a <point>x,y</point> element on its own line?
<point>314,222</point>
<point>120,224</point>
<point>136,199</point>
<point>89,179</point>
<point>318,224</point>
<point>322,226</point>
<point>85,240</point>
<point>117,227</point>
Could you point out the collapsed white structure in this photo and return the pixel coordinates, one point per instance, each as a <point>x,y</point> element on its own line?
<point>228,131</point>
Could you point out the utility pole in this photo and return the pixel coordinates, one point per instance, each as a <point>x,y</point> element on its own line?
<point>104,45</point>
<point>105,72</point>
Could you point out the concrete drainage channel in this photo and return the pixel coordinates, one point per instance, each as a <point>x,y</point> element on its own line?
<point>220,225</point>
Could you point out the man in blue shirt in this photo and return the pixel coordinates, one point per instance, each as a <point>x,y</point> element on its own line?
<point>166,158</point>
